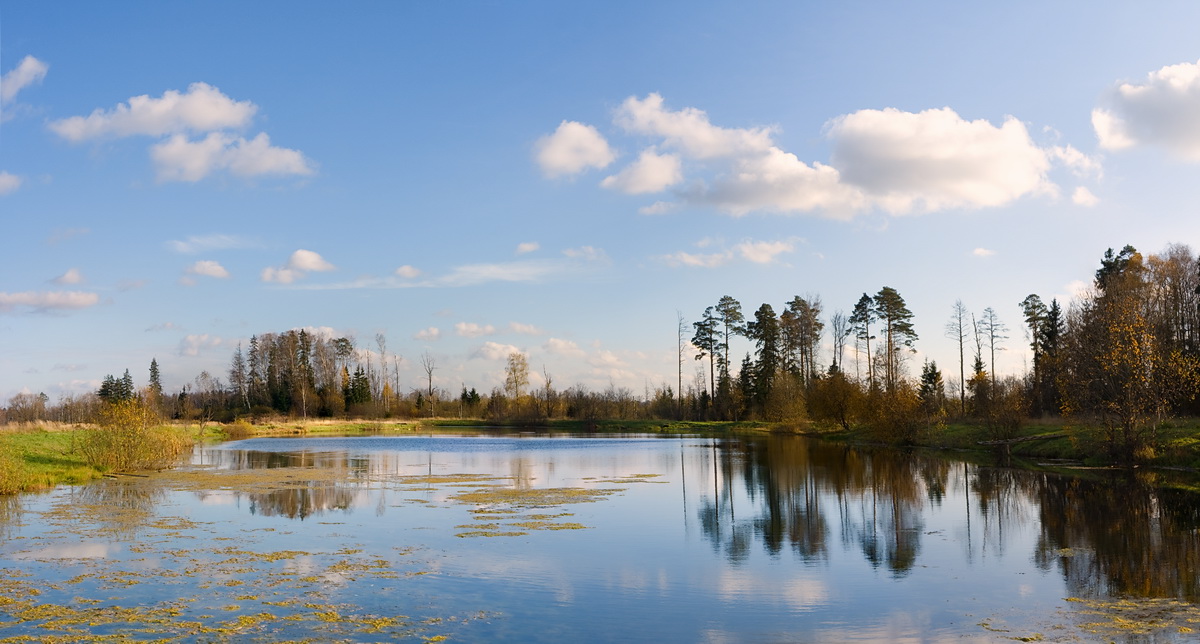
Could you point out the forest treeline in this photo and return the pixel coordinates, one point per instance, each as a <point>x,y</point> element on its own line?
<point>1119,358</point>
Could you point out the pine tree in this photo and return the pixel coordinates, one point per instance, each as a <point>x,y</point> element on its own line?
<point>156,387</point>
<point>705,340</point>
<point>898,331</point>
<point>860,322</point>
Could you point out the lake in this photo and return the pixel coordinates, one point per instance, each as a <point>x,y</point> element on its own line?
<point>526,537</point>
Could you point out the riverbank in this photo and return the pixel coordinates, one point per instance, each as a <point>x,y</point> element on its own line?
<point>42,457</point>
<point>1046,440</point>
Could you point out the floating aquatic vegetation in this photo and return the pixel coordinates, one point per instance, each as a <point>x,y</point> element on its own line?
<point>632,478</point>
<point>535,497</point>
<point>1123,617</point>
<point>490,533</point>
<point>224,586</point>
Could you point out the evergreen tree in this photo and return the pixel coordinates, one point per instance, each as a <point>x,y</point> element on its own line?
<point>765,333</point>
<point>729,314</point>
<point>860,323</point>
<point>705,340</point>
<point>898,331</point>
<point>156,387</point>
<point>933,389</point>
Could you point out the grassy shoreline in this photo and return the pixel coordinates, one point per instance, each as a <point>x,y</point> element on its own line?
<point>42,457</point>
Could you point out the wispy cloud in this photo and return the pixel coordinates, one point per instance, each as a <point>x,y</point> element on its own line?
<point>575,262</point>
<point>48,300</point>
<point>28,72</point>
<point>193,344</point>
<point>9,183</point>
<point>63,234</point>
<point>205,243</point>
<point>757,252</point>
<point>698,260</point>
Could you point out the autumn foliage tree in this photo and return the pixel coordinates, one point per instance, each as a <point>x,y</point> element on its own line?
<point>1117,371</point>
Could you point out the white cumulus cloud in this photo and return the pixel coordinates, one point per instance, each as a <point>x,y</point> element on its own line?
<point>302,261</point>
<point>936,160</point>
<point>527,247</point>
<point>202,108</point>
<point>180,159</point>
<point>1084,197</point>
<point>207,268</point>
<point>886,160</point>
<point>495,351</point>
<point>408,272</point>
<point>689,129</point>
<point>307,260</point>
<point>562,347</point>
<point>72,276</point>
<point>27,72</point>
<point>428,335</point>
<point>983,252</point>
<point>1162,110</point>
<point>606,359</point>
<point>524,329</point>
<point>652,172</point>
<point>571,149</point>
<point>763,252</point>
<point>473,330</point>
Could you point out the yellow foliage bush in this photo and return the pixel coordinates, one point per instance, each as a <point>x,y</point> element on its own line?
<point>13,472</point>
<point>130,438</point>
<point>238,429</point>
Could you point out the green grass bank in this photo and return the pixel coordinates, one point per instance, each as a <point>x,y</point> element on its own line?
<point>43,457</point>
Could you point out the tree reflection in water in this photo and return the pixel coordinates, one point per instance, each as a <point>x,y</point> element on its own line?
<point>120,507</point>
<point>1119,535</point>
<point>10,513</point>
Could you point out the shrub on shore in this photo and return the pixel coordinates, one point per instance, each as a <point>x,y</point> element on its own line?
<point>129,438</point>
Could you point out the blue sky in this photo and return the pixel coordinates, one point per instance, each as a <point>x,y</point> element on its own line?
<point>562,178</point>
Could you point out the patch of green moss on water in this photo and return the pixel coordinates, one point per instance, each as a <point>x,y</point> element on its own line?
<point>533,497</point>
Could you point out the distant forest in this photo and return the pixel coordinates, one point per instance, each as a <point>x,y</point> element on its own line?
<point>1123,356</point>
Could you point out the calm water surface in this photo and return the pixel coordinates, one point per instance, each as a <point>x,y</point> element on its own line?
<point>531,538</point>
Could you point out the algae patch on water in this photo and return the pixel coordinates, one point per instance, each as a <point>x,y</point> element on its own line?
<point>501,509</point>
<point>1121,618</point>
<point>533,498</point>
